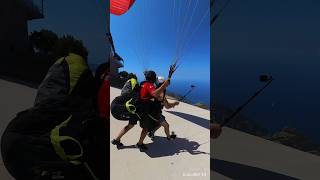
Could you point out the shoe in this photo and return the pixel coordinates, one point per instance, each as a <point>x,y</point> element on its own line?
<point>173,136</point>
<point>117,143</point>
<point>142,147</point>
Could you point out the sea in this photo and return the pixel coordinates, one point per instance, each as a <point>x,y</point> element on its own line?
<point>292,100</point>
<point>199,94</point>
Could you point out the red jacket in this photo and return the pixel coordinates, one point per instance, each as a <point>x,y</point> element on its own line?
<point>104,98</point>
<point>146,91</point>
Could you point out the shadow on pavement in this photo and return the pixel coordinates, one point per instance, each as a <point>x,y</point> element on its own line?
<point>128,147</point>
<point>244,172</point>
<point>162,147</point>
<point>205,123</point>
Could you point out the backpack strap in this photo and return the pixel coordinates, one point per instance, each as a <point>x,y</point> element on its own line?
<point>56,140</point>
<point>133,83</point>
<point>131,108</point>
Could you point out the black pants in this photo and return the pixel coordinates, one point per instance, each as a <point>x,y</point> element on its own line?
<point>150,114</point>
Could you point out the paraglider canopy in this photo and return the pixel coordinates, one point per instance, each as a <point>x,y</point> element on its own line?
<point>119,7</point>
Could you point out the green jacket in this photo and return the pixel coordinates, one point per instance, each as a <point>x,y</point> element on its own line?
<point>60,80</point>
<point>69,89</point>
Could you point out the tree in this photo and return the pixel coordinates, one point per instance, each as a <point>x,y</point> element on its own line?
<point>68,44</point>
<point>44,41</point>
<point>49,44</point>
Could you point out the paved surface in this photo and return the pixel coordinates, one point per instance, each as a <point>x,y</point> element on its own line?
<point>13,98</point>
<point>185,158</point>
<point>238,155</point>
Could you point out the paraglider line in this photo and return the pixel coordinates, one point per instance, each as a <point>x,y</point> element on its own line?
<point>191,36</point>
<point>183,97</point>
<point>215,17</point>
<point>239,109</point>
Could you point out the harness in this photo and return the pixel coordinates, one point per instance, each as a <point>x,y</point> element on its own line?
<point>129,106</point>
<point>76,67</point>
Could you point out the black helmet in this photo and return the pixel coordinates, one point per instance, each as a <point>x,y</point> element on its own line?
<point>150,76</point>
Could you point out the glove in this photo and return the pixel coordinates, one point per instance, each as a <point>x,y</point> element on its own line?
<point>173,68</point>
<point>215,130</point>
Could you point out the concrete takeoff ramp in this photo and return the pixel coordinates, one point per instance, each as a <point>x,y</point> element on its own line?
<point>185,158</point>
<point>237,155</point>
<point>13,99</point>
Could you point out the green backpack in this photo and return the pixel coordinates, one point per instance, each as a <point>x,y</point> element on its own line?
<point>125,105</point>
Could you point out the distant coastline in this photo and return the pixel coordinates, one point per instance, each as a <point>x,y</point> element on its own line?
<point>200,94</point>
<point>176,94</point>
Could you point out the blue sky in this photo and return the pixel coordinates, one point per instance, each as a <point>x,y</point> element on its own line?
<point>85,20</point>
<point>146,37</point>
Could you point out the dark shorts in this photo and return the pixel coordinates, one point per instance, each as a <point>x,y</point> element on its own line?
<point>149,122</point>
<point>162,119</point>
<point>133,120</point>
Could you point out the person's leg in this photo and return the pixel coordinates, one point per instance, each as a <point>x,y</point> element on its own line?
<point>143,135</point>
<point>151,133</point>
<point>165,125</point>
<point>157,128</point>
<point>131,124</point>
<point>145,124</point>
<point>124,131</point>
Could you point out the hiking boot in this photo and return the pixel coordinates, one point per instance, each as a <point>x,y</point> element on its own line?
<point>173,136</point>
<point>142,147</point>
<point>117,143</point>
<point>151,135</point>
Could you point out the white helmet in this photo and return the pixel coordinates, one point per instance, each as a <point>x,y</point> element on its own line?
<point>160,79</point>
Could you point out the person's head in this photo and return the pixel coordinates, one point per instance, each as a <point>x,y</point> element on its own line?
<point>160,81</point>
<point>150,76</point>
<point>131,75</point>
